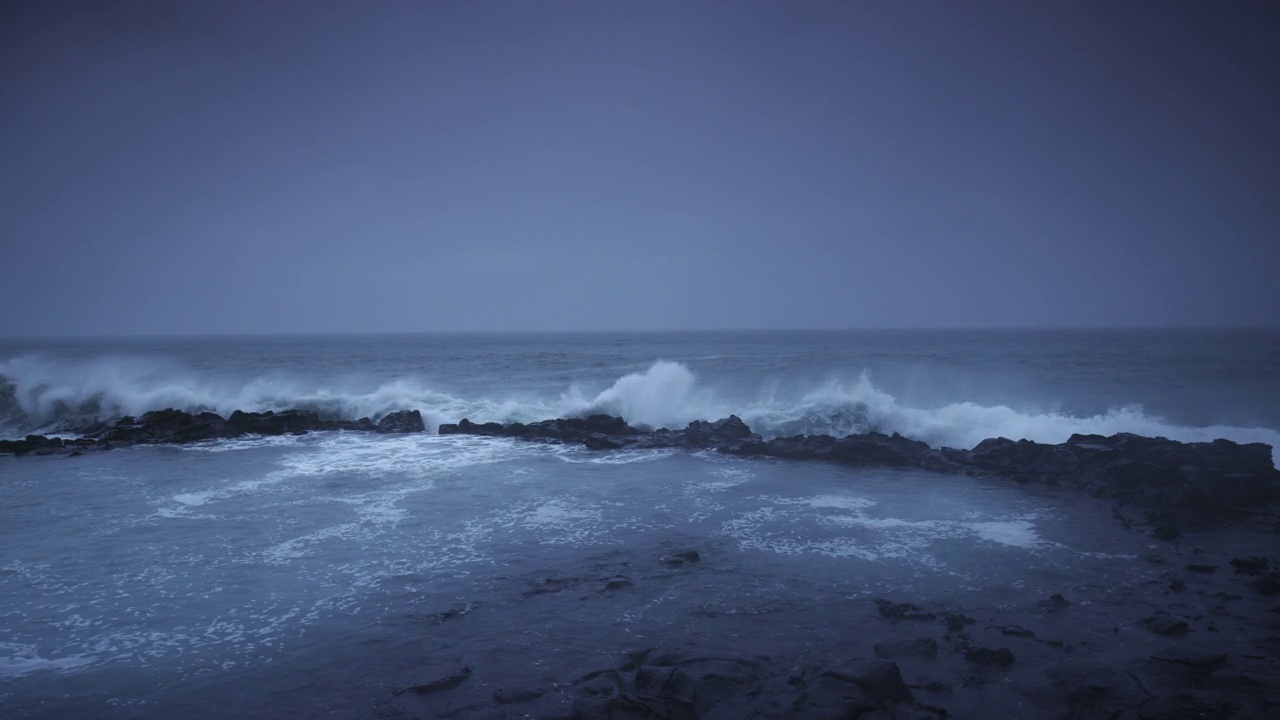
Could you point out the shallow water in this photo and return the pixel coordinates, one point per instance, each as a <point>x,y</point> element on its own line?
<point>155,577</point>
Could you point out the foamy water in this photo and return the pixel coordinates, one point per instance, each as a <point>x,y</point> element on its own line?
<point>39,393</point>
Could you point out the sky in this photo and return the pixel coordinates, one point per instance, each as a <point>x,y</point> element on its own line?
<point>279,167</point>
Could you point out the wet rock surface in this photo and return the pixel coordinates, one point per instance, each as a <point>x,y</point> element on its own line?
<point>166,427</point>
<point>1174,483</point>
<point>1105,654</point>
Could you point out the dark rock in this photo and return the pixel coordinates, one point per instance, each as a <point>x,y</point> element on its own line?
<point>1250,565</point>
<point>1091,691</point>
<point>1202,568</point>
<point>616,583</point>
<point>1174,481</point>
<point>1267,584</point>
<point>402,421</point>
<point>701,433</point>
<point>507,695</point>
<point>1177,584</point>
<point>1166,532</point>
<point>901,611</point>
<point>444,682</point>
<point>956,622</point>
<point>1255,675</point>
<point>1054,603</point>
<point>680,558</point>
<point>552,585</point>
<point>987,656</point>
<point>667,691</point>
<point>881,679</point>
<point>923,647</point>
<point>1189,657</point>
<point>829,697</point>
<point>1164,624</point>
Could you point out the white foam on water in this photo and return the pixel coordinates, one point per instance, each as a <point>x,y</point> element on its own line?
<point>842,502</point>
<point>781,525</point>
<point>613,457</point>
<point>56,394</point>
<point>249,442</point>
<point>415,456</point>
<point>18,659</point>
<point>1014,533</point>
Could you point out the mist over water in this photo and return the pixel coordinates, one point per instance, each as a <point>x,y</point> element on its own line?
<point>950,395</point>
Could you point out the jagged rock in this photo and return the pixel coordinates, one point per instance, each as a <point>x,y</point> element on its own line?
<point>402,421</point>
<point>728,431</point>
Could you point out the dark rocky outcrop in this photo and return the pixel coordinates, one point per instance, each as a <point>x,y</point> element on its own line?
<point>37,444</point>
<point>178,426</point>
<point>403,421</point>
<point>1171,478</point>
<point>1174,482</point>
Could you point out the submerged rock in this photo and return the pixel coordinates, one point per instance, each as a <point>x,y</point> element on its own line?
<point>901,611</point>
<point>681,558</point>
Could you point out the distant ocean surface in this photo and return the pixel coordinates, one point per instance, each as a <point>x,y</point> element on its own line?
<point>198,580</point>
<point>951,388</point>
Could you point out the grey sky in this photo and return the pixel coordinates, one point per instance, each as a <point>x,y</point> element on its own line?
<point>312,166</point>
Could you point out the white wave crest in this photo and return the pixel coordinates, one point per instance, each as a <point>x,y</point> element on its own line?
<point>40,394</point>
<point>662,396</point>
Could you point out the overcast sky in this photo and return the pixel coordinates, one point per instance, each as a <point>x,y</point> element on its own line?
<point>226,167</point>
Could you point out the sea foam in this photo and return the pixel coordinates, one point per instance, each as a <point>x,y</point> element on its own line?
<point>37,394</point>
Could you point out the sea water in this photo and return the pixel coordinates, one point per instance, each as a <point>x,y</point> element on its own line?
<point>316,574</point>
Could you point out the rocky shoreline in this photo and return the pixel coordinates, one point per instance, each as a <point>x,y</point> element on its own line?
<point>1172,483</point>
<point>1195,634</point>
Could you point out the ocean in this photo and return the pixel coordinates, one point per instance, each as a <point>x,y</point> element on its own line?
<point>315,575</point>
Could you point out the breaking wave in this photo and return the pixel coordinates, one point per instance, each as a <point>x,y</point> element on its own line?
<point>39,395</point>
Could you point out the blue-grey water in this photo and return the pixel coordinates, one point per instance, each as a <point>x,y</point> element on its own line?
<point>312,575</point>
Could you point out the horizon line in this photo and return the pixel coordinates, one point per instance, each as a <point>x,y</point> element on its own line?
<point>630,331</point>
